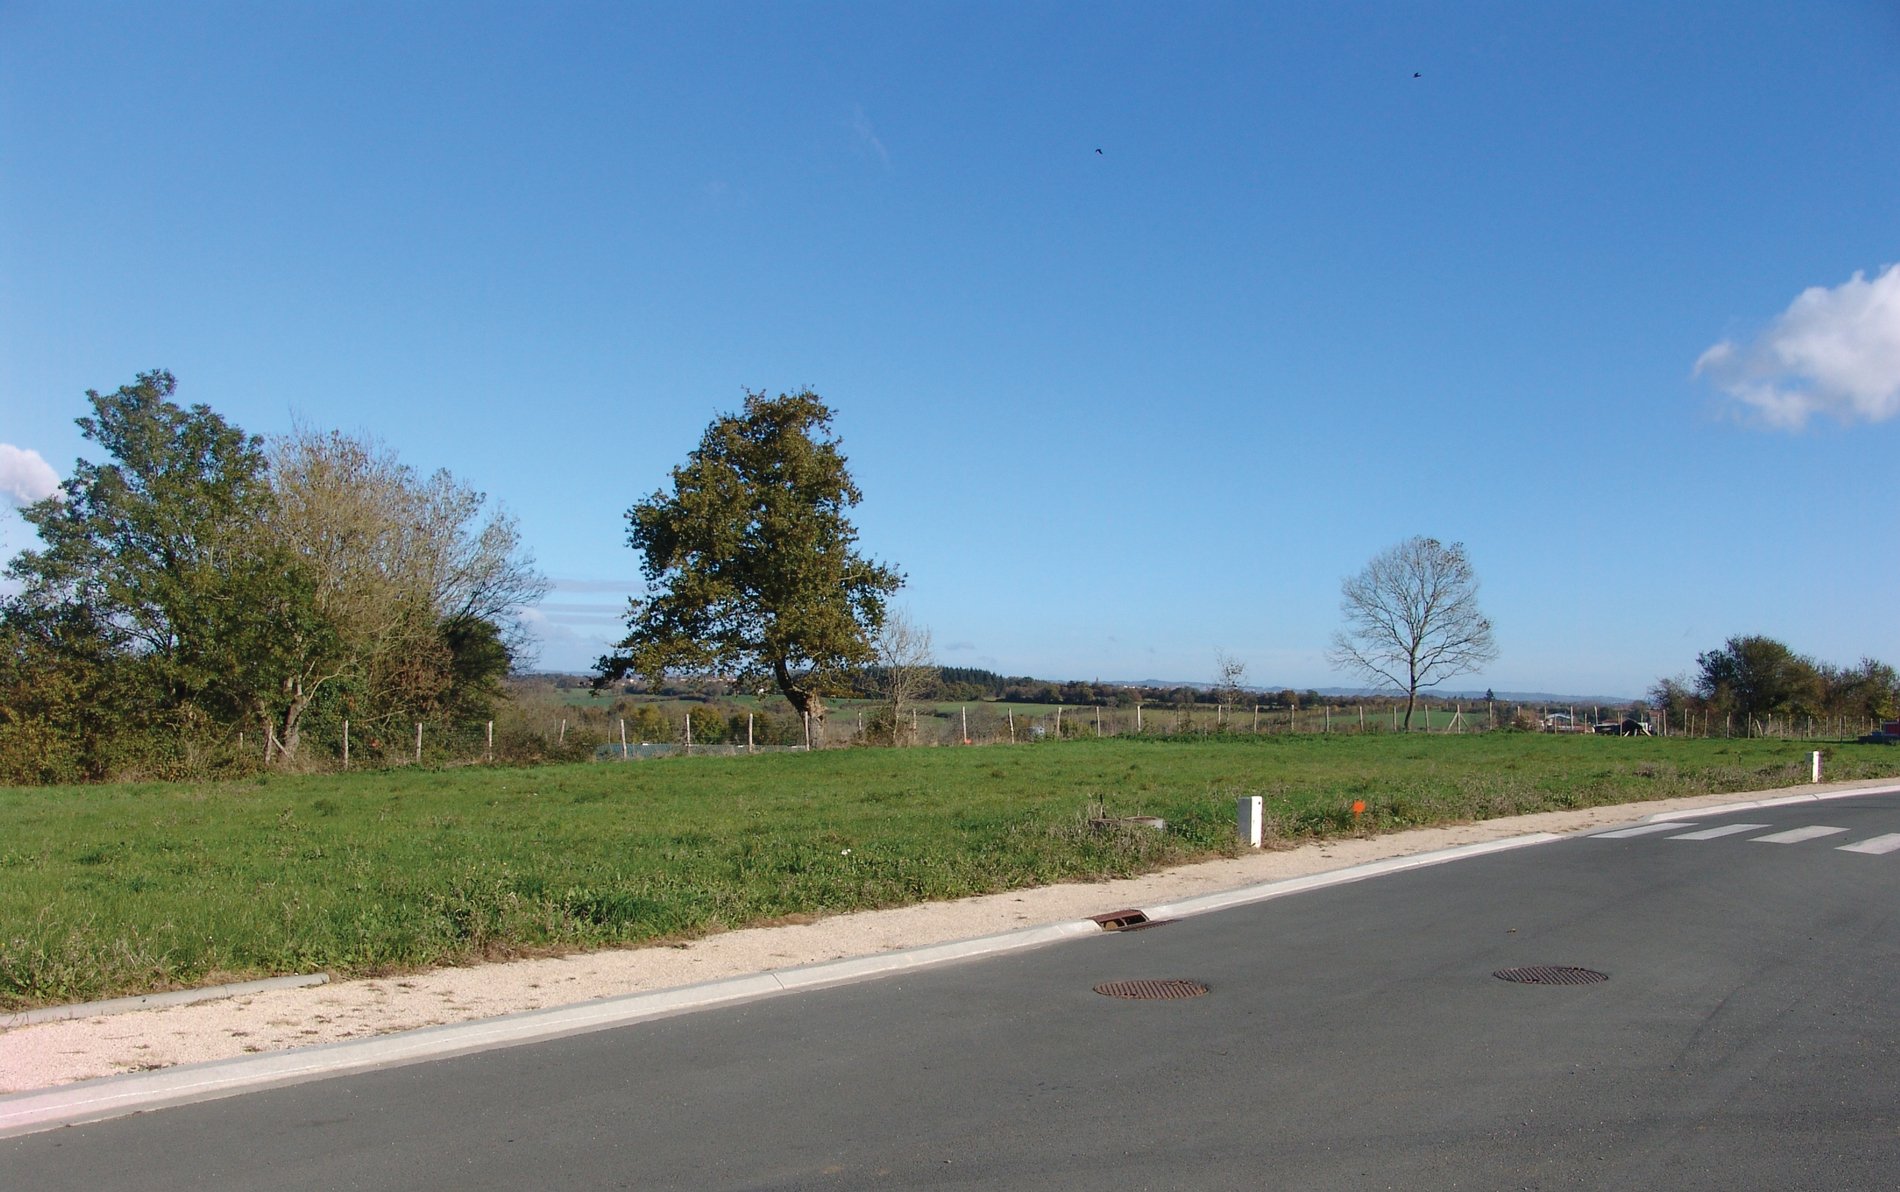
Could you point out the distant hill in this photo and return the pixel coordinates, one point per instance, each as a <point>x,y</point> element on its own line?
<point>973,683</point>
<point>1507,697</point>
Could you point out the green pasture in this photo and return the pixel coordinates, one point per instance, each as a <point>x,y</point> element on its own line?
<point>109,890</point>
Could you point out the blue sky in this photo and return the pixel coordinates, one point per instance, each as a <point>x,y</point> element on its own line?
<point>1605,292</point>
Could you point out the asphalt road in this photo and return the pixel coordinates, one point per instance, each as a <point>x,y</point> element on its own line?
<point>1353,1037</point>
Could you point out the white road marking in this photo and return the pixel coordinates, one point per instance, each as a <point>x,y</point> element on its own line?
<point>1873,844</point>
<point>1645,829</point>
<point>1797,835</point>
<point>1724,830</point>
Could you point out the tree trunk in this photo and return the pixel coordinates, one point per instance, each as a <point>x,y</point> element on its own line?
<point>804,700</point>
<point>289,730</point>
<point>1411,698</point>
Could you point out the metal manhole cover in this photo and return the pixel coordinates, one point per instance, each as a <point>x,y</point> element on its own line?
<point>1551,974</point>
<point>1149,990</point>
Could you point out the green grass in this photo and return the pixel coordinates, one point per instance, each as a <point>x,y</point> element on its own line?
<point>110,890</point>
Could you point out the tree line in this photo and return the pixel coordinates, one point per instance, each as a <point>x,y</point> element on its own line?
<point>201,598</point>
<point>1750,679</point>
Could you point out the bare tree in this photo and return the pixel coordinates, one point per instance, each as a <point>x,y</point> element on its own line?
<point>1412,619</point>
<point>1227,687</point>
<point>903,668</point>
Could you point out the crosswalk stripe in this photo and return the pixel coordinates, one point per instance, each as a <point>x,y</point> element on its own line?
<point>1873,844</point>
<point>1644,830</point>
<point>1797,835</point>
<point>1724,830</point>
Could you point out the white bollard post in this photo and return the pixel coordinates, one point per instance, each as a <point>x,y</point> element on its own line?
<point>1248,818</point>
<point>1815,757</point>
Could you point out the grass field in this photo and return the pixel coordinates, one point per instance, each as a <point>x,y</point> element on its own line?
<point>110,890</point>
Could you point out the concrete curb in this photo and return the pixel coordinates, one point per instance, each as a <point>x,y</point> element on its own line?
<point>155,1001</point>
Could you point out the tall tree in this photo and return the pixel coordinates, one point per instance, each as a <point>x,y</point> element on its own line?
<point>417,595</point>
<point>1412,619</point>
<point>1756,677</point>
<point>750,563</point>
<point>157,552</point>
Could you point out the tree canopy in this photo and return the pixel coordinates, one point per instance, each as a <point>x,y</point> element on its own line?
<point>1752,677</point>
<point>193,583</point>
<point>156,552</point>
<point>1412,619</point>
<point>1757,676</point>
<point>750,561</point>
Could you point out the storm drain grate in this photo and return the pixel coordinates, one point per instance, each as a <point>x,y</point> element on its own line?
<point>1151,990</point>
<point>1551,974</point>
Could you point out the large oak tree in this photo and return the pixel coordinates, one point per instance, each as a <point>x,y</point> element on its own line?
<point>750,560</point>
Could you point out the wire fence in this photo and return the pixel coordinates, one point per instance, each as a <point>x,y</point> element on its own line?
<point>852,724</point>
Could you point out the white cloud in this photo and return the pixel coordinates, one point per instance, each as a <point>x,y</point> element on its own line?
<point>24,476</point>
<point>1833,351</point>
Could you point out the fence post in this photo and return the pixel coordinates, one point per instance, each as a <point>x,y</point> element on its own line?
<point>748,732</point>
<point>689,730</point>
<point>562,739</point>
<point>491,740</point>
<point>965,710</point>
<point>1815,757</point>
<point>1011,713</point>
<point>623,740</point>
<point>418,742</point>
<point>346,744</point>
